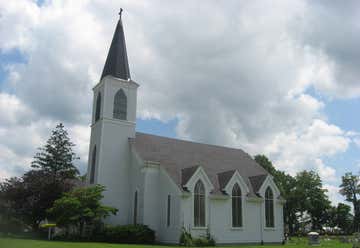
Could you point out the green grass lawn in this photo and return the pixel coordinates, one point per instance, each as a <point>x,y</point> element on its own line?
<point>27,243</point>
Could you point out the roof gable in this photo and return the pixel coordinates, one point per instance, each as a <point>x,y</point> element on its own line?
<point>224,178</point>
<point>236,179</point>
<point>187,173</point>
<point>257,182</point>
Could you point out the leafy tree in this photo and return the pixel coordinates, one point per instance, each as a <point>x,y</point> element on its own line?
<point>286,185</point>
<point>350,188</point>
<point>54,173</point>
<point>312,197</point>
<point>340,216</point>
<point>8,221</point>
<point>30,196</point>
<point>331,216</point>
<point>344,217</point>
<point>79,207</point>
<point>264,162</point>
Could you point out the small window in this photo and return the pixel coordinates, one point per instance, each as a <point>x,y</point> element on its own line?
<point>168,210</point>
<point>199,204</point>
<point>236,206</point>
<point>135,207</point>
<point>93,166</point>
<point>120,105</point>
<point>269,207</point>
<point>98,107</point>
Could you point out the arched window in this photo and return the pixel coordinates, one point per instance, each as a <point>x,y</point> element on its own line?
<point>236,206</point>
<point>135,207</point>
<point>168,210</point>
<point>269,207</point>
<point>199,204</point>
<point>92,168</point>
<point>120,105</point>
<point>98,107</point>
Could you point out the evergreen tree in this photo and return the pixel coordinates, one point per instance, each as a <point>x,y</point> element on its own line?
<point>57,157</point>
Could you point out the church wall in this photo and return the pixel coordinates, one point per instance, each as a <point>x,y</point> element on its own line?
<point>151,196</point>
<point>136,184</point>
<point>114,152</point>
<point>114,169</point>
<point>219,221</point>
<point>272,235</point>
<point>153,186</point>
<point>171,233</point>
<point>95,137</point>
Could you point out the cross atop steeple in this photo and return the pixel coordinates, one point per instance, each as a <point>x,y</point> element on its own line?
<point>121,10</point>
<point>116,63</point>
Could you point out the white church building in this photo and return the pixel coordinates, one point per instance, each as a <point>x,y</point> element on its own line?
<point>170,184</point>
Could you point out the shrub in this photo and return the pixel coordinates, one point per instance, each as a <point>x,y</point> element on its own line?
<point>128,234</point>
<point>187,240</point>
<point>356,240</point>
<point>11,225</point>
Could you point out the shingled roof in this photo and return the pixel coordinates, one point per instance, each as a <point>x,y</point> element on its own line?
<point>181,159</point>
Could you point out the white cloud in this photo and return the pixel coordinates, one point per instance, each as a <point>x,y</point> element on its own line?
<point>303,149</point>
<point>339,48</point>
<point>327,173</point>
<point>333,193</point>
<point>15,28</point>
<point>232,74</point>
<point>13,111</point>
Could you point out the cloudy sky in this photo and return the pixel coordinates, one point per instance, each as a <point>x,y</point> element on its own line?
<point>279,78</point>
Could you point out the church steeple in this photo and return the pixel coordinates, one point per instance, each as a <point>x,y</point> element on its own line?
<point>116,63</point>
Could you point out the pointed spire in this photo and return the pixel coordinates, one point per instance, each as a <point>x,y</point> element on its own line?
<point>116,63</point>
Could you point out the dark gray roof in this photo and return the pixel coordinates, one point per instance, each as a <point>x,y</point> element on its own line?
<point>116,63</point>
<point>224,178</point>
<point>257,181</point>
<point>187,173</point>
<point>181,159</point>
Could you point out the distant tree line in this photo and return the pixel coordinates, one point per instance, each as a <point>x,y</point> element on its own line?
<point>307,204</point>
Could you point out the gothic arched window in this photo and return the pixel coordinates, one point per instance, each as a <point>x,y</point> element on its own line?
<point>92,168</point>
<point>98,107</point>
<point>199,204</point>
<point>269,207</point>
<point>120,105</point>
<point>168,210</point>
<point>135,207</point>
<point>236,206</point>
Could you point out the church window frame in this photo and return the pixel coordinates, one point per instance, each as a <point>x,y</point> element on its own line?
<point>135,207</point>
<point>98,107</point>
<point>236,206</point>
<point>269,208</point>
<point>199,204</point>
<point>93,166</point>
<point>168,213</point>
<point>120,105</point>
